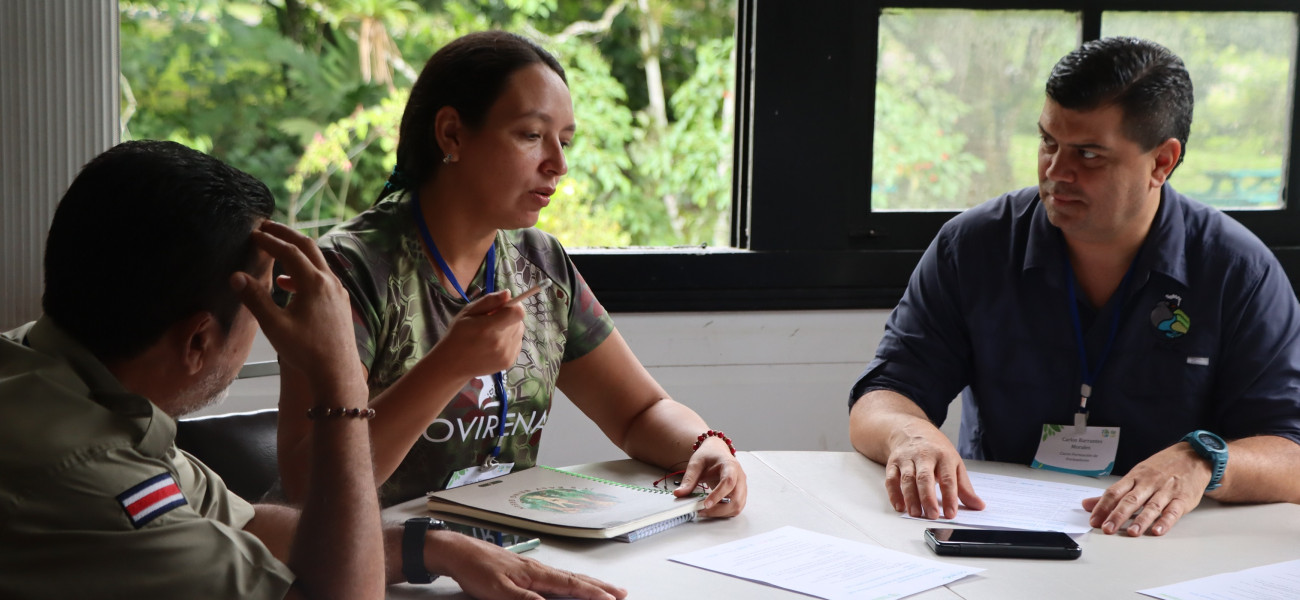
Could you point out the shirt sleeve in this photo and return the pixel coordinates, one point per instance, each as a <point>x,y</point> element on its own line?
<point>589,324</point>
<point>356,274</point>
<point>1259,386</point>
<point>925,352</point>
<point>76,522</point>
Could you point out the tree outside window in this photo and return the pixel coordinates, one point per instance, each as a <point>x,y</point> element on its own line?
<point>308,96</point>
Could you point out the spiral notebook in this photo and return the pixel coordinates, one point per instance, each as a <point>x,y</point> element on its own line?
<point>550,500</point>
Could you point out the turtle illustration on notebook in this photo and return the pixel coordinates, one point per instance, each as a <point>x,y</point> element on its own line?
<point>564,500</point>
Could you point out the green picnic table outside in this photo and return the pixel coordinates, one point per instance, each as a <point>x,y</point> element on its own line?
<point>1247,187</point>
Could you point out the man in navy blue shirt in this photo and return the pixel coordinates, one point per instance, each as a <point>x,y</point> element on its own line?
<point>1100,298</point>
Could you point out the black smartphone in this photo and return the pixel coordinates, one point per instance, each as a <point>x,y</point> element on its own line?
<point>1002,543</point>
<point>510,541</point>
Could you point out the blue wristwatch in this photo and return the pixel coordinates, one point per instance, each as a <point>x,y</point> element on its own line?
<point>1212,448</point>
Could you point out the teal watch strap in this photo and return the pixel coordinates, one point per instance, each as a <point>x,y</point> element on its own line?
<point>1213,449</point>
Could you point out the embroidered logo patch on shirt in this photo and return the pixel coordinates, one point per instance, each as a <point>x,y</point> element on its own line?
<point>151,498</point>
<point>1169,318</point>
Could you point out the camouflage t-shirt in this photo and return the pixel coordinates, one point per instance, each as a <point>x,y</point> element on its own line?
<point>400,311</point>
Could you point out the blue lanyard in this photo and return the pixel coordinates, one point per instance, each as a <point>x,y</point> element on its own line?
<point>489,286</point>
<point>1090,375</point>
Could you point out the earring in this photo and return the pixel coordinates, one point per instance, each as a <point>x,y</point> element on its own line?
<point>448,159</point>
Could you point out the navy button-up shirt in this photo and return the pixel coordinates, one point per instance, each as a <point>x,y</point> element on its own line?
<point>1208,338</point>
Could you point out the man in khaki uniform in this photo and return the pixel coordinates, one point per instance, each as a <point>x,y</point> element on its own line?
<point>158,275</point>
<point>75,441</point>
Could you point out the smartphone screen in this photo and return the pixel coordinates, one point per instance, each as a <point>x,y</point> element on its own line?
<point>1007,544</point>
<point>510,541</point>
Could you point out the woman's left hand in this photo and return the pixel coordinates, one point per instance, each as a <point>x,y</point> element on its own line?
<point>714,464</point>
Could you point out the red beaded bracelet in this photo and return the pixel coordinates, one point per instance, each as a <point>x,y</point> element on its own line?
<point>716,434</point>
<point>349,413</point>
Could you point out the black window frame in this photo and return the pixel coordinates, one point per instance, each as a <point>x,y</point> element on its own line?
<point>802,233</point>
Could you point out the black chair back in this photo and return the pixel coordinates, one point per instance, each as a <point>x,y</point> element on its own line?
<point>240,447</point>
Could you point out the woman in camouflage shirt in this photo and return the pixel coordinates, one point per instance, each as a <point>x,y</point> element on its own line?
<point>480,153</point>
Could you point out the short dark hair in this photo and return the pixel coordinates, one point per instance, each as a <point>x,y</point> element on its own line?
<point>468,74</point>
<point>147,235</point>
<point>1143,78</point>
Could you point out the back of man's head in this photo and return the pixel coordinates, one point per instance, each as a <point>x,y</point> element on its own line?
<point>1143,78</point>
<point>147,235</point>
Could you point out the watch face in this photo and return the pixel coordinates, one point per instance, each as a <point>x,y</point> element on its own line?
<point>1211,441</point>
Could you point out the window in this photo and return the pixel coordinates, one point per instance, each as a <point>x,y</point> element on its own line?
<point>822,227</point>
<point>1243,69</point>
<point>954,120</point>
<point>308,96</point>
<point>825,212</point>
<point>815,135</point>
<point>955,114</point>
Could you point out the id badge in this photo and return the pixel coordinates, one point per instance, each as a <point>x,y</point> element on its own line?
<point>1091,452</point>
<point>478,473</point>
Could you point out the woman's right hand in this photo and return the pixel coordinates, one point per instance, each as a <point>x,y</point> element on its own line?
<point>484,338</point>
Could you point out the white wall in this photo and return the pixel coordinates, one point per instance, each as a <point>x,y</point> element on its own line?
<point>771,380</point>
<point>59,99</point>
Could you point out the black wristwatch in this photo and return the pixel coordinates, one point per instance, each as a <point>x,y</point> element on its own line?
<point>413,549</point>
<point>1212,448</point>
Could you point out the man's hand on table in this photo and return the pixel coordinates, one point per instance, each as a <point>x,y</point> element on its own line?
<point>919,458</point>
<point>1154,494</point>
<point>489,572</point>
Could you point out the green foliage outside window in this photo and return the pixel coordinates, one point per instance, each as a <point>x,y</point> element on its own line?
<point>956,114</point>
<point>307,96</point>
<point>1241,68</point>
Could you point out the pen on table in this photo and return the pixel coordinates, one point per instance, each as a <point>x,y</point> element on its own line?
<point>531,291</point>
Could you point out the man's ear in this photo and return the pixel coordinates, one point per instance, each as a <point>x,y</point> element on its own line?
<point>448,130</point>
<point>1166,158</point>
<point>197,339</point>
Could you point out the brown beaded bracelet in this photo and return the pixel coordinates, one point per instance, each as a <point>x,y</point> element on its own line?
<point>717,434</point>
<point>317,412</point>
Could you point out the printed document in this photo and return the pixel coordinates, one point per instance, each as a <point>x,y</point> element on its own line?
<point>1019,503</point>
<point>1279,581</point>
<point>825,566</point>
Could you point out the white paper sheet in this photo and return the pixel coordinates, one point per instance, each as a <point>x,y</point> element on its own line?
<point>1279,581</point>
<point>1018,503</point>
<point>825,566</point>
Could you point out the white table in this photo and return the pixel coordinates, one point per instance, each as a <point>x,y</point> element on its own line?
<point>1214,538</point>
<point>842,494</point>
<point>643,568</point>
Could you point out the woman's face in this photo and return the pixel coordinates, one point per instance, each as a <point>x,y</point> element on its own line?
<point>513,163</point>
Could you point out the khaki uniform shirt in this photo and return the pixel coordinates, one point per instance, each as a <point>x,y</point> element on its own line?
<point>74,448</point>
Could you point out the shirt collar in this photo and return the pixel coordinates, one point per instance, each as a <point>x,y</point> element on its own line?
<point>1045,243</point>
<point>1162,251</point>
<point>157,429</point>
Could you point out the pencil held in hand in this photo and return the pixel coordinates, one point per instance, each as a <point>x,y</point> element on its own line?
<point>531,292</point>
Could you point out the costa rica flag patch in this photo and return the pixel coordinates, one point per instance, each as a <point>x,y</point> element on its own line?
<point>151,498</point>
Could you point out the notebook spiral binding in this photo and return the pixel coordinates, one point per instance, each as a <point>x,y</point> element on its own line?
<point>650,530</point>
<point>608,482</point>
